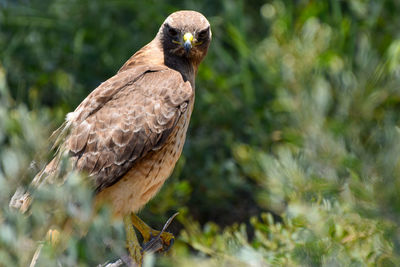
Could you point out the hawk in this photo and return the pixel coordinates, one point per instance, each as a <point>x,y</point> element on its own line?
<point>128,133</point>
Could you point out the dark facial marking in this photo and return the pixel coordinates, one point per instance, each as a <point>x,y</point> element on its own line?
<point>204,34</point>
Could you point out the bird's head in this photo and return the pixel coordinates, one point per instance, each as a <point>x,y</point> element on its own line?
<point>186,34</point>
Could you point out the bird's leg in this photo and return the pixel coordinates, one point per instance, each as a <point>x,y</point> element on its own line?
<point>154,240</point>
<point>132,242</point>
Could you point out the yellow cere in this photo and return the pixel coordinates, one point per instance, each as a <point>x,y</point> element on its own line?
<point>188,37</point>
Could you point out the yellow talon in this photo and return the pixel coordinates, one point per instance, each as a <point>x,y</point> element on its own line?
<point>132,243</point>
<point>154,240</point>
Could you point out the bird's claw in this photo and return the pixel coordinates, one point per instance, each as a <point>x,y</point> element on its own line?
<point>160,240</point>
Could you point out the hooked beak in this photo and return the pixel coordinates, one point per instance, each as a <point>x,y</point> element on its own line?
<point>187,42</point>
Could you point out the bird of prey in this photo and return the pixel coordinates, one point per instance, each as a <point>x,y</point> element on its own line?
<point>128,133</point>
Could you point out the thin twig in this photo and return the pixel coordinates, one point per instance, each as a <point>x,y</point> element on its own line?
<point>36,255</point>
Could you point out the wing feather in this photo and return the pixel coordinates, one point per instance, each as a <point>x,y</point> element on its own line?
<point>138,118</point>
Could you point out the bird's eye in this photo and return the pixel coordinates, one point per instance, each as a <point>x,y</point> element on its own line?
<point>172,32</point>
<point>203,34</point>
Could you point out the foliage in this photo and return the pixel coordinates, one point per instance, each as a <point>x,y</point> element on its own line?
<point>292,156</point>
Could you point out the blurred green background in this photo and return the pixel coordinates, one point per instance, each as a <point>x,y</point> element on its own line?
<point>293,152</point>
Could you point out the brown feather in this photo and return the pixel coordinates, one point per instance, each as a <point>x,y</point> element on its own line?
<point>124,143</point>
